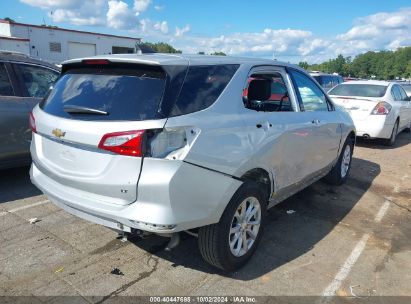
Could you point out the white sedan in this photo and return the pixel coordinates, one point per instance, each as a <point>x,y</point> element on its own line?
<point>379,109</point>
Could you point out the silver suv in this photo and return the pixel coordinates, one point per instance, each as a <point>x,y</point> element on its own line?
<point>206,144</point>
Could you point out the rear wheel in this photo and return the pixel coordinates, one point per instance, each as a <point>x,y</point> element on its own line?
<point>230,243</point>
<point>339,173</point>
<point>391,140</point>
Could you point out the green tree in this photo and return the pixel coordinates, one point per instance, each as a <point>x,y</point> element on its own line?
<point>408,70</point>
<point>162,47</point>
<point>304,65</point>
<point>219,54</point>
<point>9,19</point>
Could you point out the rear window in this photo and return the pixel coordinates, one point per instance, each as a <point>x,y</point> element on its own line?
<point>361,90</point>
<point>202,86</point>
<point>319,79</point>
<point>120,94</point>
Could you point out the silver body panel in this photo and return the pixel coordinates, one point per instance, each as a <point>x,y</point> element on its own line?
<point>294,148</point>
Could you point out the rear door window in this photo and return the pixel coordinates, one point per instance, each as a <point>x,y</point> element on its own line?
<point>37,80</point>
<point>118,93</point>
<point>202,87</point>
<point>402,93</point>
<point>279,100</point>
<point>396,93</point>
<point>6,89</point>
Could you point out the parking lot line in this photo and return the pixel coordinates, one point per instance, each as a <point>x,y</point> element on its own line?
<point>355,254</point>
<point>346,267</point>
<point>382,211</point>
<point>24,207</point>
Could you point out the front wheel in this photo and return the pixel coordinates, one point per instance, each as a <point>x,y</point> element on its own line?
<point>339,173</point>
<point>231,242</point>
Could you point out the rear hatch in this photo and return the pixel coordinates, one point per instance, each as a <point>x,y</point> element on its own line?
<point>359,108</point>
<point>93,108</point>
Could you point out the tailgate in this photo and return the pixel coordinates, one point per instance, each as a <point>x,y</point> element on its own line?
<point>359,108</point>
<point>74,160</point>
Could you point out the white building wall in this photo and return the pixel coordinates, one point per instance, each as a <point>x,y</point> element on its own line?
<point>41,37</point>
<point>14,45</point>
<point>5,29</point>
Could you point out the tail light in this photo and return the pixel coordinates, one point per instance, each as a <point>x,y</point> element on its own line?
<point>158,143</point>
<point>382,108</point>
<point>96,61</point>
<point>128,143</point>
<point>32,122</point>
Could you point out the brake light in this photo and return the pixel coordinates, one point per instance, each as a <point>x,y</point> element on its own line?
<point>382,108</point>
<point>128,143</point>
<point>32,122</point>
<point>96,61</point>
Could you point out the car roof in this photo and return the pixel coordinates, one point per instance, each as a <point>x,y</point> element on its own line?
<point>23,58</point>
<point>182,59</point>
<point>374,82</point>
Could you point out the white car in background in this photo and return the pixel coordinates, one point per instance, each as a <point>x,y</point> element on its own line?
<point>379,109</point>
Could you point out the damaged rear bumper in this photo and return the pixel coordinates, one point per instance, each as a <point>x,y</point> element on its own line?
<point>172,196</point>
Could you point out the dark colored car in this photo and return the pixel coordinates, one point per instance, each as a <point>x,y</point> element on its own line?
<point>23,83</point>
<point>327,81</point>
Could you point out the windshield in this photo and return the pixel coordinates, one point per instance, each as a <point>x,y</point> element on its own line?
<point>121,94</point>
<point>361,90</point>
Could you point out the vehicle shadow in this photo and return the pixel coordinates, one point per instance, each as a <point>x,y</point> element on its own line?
<point>318,209</point>
<point>15,184</point>
<point>403,139</point>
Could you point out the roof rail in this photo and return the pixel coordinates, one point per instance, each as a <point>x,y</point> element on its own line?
<point>7,52</point>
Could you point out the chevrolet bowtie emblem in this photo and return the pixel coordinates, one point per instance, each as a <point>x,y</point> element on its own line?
<point>58,133</point>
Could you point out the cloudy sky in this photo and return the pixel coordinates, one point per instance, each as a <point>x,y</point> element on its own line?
<point>289,30</point>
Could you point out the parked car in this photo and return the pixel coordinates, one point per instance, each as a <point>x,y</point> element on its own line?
<point>407,87</point>
<point>327,81</point>
<point>23,83</point>
<point>379,109</point>
<point>168,143</point>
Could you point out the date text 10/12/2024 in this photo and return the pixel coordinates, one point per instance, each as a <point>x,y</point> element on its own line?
<point>203,299</point>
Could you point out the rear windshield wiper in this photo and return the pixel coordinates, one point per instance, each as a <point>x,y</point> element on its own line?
<point>72,109</point>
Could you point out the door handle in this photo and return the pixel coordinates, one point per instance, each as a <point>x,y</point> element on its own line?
<point>265,125</point>
<point>316,121</point>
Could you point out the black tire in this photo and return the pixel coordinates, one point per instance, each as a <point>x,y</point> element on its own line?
<point>391,141</point>
<point>408,130</point>
<point>213,240</point>
<point>335,176</point>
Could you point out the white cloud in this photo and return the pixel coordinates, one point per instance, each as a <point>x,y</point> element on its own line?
<point>141,5</point>
<point>78,12</point>
<point>374,32</point>
<point>119,16</point>
<point>153,30</point>
<point>46,4</point>
<point>181,31</point>
<point>162,27</point>
<point>88,12</point>
<point>159,7</point>
<point>379,31</point>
